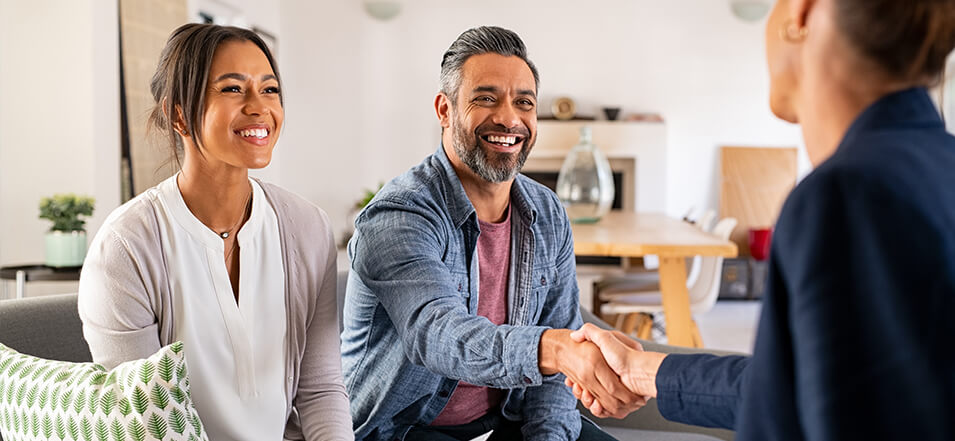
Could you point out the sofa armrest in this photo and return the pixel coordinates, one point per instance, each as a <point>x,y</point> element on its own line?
<point>648,417</point>
<point>46,327</point>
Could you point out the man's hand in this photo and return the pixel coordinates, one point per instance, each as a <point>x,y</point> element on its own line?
<point>637,369</point>
<point>584,365</point>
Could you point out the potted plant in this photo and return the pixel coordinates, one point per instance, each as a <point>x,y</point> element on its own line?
<point>66,240</point>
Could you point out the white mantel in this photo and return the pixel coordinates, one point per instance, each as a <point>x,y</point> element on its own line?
<point>640,147</point>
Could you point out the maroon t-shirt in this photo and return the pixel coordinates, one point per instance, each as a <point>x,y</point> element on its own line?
<point>470,402</point>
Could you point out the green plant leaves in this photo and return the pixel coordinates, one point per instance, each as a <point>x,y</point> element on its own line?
<point>65,211</point>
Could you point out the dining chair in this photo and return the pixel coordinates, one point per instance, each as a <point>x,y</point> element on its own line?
<point>635,306</point>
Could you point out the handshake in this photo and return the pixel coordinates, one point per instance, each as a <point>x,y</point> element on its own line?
<point>608,372</point>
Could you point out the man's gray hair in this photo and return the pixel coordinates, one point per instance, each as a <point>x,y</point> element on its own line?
<point>477,41</point>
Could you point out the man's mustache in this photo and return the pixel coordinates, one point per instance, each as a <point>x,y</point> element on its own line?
<point>497,128</point>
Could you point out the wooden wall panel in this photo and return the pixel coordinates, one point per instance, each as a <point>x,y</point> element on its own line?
<point>754,183</point>
<point>144,26</point>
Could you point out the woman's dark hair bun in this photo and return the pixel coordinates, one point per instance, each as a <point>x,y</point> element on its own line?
<point>909,39</point>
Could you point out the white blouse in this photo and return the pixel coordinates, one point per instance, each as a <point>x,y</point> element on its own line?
<point>235,350</point>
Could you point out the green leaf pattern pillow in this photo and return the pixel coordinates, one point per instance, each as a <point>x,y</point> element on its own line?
<point>137,401</point>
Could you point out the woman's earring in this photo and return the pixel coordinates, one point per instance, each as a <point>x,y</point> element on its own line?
<point>792,32</point>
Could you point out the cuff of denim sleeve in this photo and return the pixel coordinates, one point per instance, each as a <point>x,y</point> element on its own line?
<point>521,355</point>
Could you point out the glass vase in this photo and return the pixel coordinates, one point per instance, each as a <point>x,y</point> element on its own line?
<point>585,182</point>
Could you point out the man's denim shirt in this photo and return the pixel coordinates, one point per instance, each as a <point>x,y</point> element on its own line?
<point>411,329</point>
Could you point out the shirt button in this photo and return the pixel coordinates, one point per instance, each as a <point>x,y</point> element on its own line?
<point>527,380</point>
<point>443,394</point>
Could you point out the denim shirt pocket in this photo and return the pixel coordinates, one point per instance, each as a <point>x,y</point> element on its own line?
<point>542,279</point>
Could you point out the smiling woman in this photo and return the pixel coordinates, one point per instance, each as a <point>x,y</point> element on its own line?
<point>206,257</point>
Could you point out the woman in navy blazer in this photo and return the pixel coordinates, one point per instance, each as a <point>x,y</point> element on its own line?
<point>857,334</point>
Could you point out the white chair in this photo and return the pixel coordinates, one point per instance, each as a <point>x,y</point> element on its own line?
<point>635,307</point>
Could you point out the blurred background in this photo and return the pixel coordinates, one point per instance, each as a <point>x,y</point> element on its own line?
<point>359,82</point>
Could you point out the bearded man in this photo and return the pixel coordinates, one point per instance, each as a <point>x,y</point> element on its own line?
<point>462,282</point>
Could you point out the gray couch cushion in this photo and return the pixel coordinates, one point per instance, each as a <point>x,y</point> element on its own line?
<point>650,435</point>
<point>46,327</point>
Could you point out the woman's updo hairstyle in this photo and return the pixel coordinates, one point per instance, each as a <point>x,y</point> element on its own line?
<point>909,39</point>
<point>183,71</point>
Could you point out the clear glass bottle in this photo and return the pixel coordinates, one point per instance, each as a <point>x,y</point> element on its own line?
<point>585,182</point>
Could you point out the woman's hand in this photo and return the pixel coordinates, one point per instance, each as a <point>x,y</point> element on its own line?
<point>637,369</point>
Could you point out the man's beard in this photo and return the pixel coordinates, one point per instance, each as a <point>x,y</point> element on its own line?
<point>490,165</point>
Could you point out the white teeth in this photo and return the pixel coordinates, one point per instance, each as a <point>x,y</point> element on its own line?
<point>258,133</point>
<point>508,140</point>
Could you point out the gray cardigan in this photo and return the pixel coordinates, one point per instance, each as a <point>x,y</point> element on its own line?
<point>125,304</point>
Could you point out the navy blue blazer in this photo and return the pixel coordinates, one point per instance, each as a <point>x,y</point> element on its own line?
<point>857,334</point>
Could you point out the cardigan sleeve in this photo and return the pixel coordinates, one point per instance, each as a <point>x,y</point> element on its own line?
<point>321,400</point>
<point>115,304</point>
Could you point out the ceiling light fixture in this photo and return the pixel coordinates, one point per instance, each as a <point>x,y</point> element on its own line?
<point>383,10</point>
<point>750,10</point>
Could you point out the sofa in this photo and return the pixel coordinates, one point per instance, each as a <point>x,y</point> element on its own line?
<point>49,327</point>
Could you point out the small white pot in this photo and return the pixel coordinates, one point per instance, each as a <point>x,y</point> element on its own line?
<point>65,248</point>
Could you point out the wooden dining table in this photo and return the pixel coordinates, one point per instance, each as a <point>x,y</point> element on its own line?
<point>628,234</point>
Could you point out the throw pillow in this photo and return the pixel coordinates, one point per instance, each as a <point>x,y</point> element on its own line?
<point>57,400</point>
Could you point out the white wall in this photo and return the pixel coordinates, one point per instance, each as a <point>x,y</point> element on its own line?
<point>359,92</point>
<point>59,115</point>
